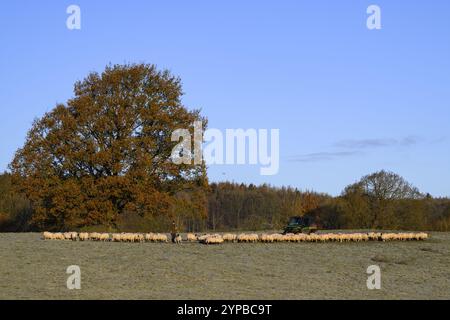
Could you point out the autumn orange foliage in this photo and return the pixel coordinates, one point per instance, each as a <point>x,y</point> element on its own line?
<point>107,151</point>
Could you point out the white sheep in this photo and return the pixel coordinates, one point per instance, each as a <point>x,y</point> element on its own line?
<point>213,240</point>
<point>139,238</point>
<point>116,237</point>
<point>374,236</point>
<point>48,236</point>
<point>248,238</point>
<point>104,237</point>
<point>191,237</point>
<point>59,236</point>
<point>229,237</point>
<point>83,236</point>
<point>421,236</point>
<point>203,237</point>
<point>266,238</point>
<point>160,237</point>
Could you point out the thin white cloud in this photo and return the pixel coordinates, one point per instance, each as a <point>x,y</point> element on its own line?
<point>322,156</point>
<point>355,147</point>
<point>377,143</point>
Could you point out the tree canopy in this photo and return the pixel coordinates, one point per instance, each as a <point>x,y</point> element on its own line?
<point>374,201</point>
<point>107,151</point>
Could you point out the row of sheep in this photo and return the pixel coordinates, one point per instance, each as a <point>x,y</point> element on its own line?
<point>343,237</point>
<point>327,237</point>
<point>240,238</point>
<point>115,237</point>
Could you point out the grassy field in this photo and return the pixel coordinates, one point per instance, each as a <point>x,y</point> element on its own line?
<point>31,268</point>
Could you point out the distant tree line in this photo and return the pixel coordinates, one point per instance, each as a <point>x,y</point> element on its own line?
<point>382,200</point>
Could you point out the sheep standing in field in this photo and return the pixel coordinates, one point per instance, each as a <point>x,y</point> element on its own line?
<point>48,236</point>
<point>290,237</point>
<point>139,237</point>
<point>212,239</point>
<point>326,237</point>
<point>104,237</point>
<point>401,236</point>
<point>313,237</point>
<point>207,238</point>
<point>101,236</point>
<point>333,237</point>
<point>83,236</point>
<point>178,239</point>
<point>357,237</point>
<point>348,237</point>
<point>229,237</point>
<point>94,236</point>
<point>242,238</point>
<point>191,237</point>
<point>126,237</point>
<point>155,237</point>
<point>421,236</point>
<point>202,238</point>
<point>248,238</point>
<point>388,237</point>
<point>266,238</point>
<point>301,237</point>
<point>340,237</point>
<point>116,237</point>
<point>133,237</point>
<point>58,236</point>
<point>70,236</point>
<point>374,236</point>
<point>129,237</point>
<point>277,237</point>
<point>160,237</point>
<point>413,236</point>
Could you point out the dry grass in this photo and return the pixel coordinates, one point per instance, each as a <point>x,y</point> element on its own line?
<point>34,269</point>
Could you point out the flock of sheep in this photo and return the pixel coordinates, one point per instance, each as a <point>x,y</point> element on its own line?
<point>114,237</point>
<point>326,237</point>
<point>241,238</point>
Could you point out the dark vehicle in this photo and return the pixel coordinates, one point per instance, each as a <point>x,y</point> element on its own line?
<point>301,225</point>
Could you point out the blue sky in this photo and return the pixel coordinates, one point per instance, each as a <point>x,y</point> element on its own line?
<point>347,100</point>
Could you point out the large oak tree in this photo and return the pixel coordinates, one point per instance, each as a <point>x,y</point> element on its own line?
<point>108,151</point>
